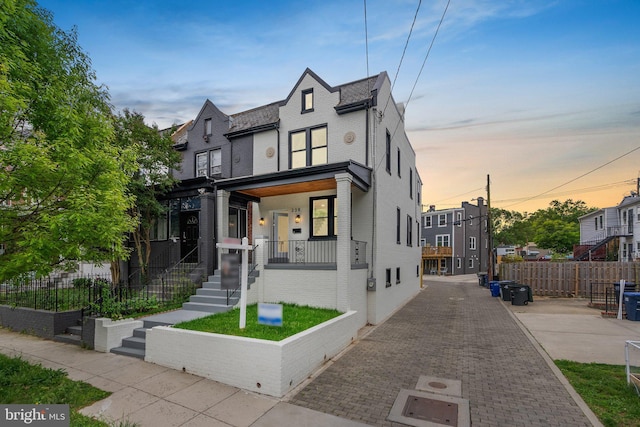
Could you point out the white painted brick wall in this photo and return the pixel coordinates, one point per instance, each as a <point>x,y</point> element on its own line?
<point>316,288</point>
<point>261,162</point>
<point>109,333</point>
<point>268,367</point>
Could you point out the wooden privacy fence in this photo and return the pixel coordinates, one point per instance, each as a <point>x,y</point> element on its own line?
<point>570,279</point>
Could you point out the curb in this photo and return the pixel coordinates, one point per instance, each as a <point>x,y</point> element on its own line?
<point>574,395</point>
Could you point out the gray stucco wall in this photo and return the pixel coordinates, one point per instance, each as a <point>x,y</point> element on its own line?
<point>197,144</point>
<point>42,323</point>
<point>240,161</point>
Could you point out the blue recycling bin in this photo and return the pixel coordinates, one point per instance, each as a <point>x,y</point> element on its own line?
<point>631,300</point>
<point>494,286</point>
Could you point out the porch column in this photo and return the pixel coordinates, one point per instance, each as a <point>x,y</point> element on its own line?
<point>343,244</point>
<point>207,223</point>
<point>222,220</point>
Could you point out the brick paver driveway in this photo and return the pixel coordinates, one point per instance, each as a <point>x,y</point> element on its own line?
<point>454,331</point>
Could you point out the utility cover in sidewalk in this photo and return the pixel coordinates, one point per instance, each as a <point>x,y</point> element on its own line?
<point>423,409</point>
<point>439,385</point>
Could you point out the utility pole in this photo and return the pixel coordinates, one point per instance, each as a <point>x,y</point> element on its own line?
<point>490,242</point>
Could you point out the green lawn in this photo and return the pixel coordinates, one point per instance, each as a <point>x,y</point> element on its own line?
<point>295,319</point>
<point>22,382</point>
<point>604,388</point>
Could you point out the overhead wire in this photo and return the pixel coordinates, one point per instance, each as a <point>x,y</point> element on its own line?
<point>395,78</point>
<point>576,178</point>
<point>433,39</point>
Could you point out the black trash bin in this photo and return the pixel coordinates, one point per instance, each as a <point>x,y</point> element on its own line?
<point>628,287</point>
<point>483,279</point>
<point>504,289</point>
<point>520,294</point>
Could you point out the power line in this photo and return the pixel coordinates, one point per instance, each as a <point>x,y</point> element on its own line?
<point>395,78</point>
<point>366,38</point>
<point>433,39</point>
<point>577,178</point>
<point>460,195</point>
<point>578,190</point>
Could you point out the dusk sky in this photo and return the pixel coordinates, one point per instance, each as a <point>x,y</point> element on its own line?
<point>536,94</point>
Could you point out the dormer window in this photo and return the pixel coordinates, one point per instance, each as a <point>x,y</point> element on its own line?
<point>307,100</point>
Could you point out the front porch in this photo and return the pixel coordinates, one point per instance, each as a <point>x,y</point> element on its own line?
<point>310,254</point>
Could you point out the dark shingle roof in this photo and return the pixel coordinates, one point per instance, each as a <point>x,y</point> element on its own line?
<point>358,91</point>
<point>350,93</point>
<point>255,118</point>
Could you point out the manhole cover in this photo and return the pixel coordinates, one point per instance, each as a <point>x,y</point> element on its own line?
<point>432,410</point>
<point>437,384</point>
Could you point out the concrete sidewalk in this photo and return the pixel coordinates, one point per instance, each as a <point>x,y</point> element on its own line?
<point>568,329</point>
<point>453,330</point>
<point>151,395</point>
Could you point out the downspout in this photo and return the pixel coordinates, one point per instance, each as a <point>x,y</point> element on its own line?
<point>215,227</point>
<point>375,198</point>
<point>278,149</point>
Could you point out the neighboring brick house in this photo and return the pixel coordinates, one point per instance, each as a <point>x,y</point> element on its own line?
<point>456,240</point>
<point>324,184</point>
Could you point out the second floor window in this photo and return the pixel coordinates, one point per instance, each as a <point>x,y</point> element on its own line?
<point>472,243</point>
<point>215,161</point>
<point>388,152</point>
<point>442,240</point>
<point>427,221</point>
<point>209,163</point>
<point>409,231</point>
<point>442,220</point>
<point>308,147</point>
<point>201,164</point>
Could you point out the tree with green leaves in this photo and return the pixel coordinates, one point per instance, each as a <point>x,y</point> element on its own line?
<point>510,227</point>
<point>155,157</point>
<point>557,227</point>
<point>63,179</point>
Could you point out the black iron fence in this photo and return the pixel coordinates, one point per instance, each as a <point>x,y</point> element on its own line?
<point>606,295</point>
<point>94,294</point>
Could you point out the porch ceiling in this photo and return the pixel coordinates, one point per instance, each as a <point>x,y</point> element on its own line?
<point>302,180</point>
<point>299,187</point>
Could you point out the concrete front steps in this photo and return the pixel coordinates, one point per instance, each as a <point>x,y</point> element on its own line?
<point>72,335</point>
<point>134,346</point>
<point>209,299</point>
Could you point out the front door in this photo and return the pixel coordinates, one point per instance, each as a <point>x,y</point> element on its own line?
<point>189,234</point>
<point>280,249</point>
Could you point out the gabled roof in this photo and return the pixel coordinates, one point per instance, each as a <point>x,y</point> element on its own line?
<point>353,96</point>
<point>255,119</point>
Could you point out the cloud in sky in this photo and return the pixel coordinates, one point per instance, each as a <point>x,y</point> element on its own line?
<point>533,93</point>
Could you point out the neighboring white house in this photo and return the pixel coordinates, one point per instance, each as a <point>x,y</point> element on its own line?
<point>334,198</point>
<point>614,228</point>
<point>324,185</point>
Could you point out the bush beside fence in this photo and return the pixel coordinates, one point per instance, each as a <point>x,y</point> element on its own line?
<point>94,295</point>
<point>571,279</point>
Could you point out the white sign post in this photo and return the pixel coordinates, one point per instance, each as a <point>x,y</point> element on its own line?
<point>244,275</point>
<point>620,300</point>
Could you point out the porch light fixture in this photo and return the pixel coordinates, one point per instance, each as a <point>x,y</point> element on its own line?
<point>298,219</point>
<point>261,222</point>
